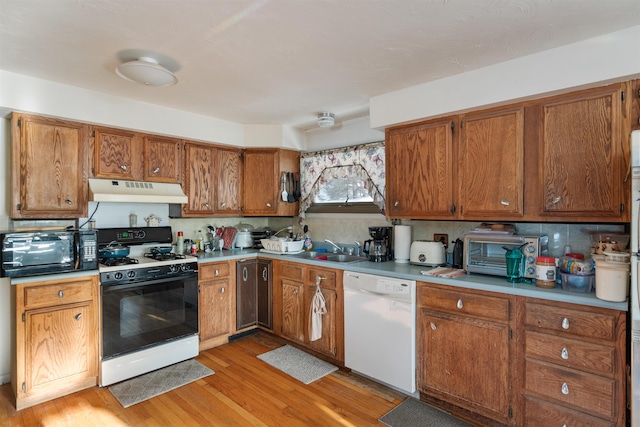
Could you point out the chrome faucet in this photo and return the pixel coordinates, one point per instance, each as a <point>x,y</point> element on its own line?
<point>358,248</point>
<point>336,248</point>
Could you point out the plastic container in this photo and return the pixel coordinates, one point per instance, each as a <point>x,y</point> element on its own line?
<point>603,236</point>
<point>545,272</point>
<point>612,281</point>
<point>278,246</point>
<point>576,264</point>
<point>577,282</point>
<point>617,257</point>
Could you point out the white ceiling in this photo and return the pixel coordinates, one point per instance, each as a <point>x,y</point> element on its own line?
<point>285,61</point>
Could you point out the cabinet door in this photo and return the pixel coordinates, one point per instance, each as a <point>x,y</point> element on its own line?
<point>246,294</point>
<point>261,182</point>
<point>465,361</point>
<point>582,165</point>
<point>162,159</point>
<point>117,154</point>
<point>215,309</point>
<point>293,310</point>
<point>60,346</point>
<point>229,181</point>
<point>199,179</point>
<point>327,342</point>
<point>419,169</point>
<point>491,165</point>
<point>48,168</point>
<point>265,294</point>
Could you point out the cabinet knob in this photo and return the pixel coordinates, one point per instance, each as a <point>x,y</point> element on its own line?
<point>78,316</point>
<point>265,274</point>
<point>433,326</point>
<point>295,293</point>
<point>156,170</point>
<point>222,290</point>
<point>396,203</point>
<point>60,294</point>
<point>245,274</point>
<point>504,202</point>
<point>459,304</point>
<point>268,204</point>
<point>564,354</point>
<point>319,279</point>
<point>556,200</point>
<point>69,202</point>
<point>565,389</point>
<point>206,205</point>
<point>123,167</point>
<point>565,323</point>
<point>216,273</point>
<point>223,204</point>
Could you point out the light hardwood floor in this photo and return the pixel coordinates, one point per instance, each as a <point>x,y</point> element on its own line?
<point>244,391</point>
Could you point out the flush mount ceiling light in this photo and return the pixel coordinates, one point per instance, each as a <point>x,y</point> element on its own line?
<point>326,120</point>
<point>146,71</point>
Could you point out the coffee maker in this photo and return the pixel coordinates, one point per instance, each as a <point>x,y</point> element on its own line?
<point>379,246</point>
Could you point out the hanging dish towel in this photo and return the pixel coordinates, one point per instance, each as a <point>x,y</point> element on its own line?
<point>318,308</point>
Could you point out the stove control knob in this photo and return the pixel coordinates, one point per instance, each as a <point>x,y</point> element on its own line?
<point>173,268</point>
<point>185,267</point>
<point>131,274</point>
<point>118,275</point>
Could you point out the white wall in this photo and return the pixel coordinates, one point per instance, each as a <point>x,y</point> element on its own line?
<point>611,57</point>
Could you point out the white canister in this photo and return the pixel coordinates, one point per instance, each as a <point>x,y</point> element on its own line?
<point>612,281</point>
<point>402,243</point>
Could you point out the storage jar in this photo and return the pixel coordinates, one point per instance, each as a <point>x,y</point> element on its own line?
<point>545,272</point>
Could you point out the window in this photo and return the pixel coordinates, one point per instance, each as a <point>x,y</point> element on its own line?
<point>345,180</point>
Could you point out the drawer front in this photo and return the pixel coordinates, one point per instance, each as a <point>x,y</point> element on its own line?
<point>293,271</point>
<point>586,392</point>
<point>213,271</point>
<point>459,302</point>
<point>538,413</point>
<point>328,278</point>
<point>58,294</point>
<point>571,353</point>
<point>579,323</point>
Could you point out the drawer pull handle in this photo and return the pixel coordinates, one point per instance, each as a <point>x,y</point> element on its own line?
<point>268,204</point>
<point>564,354</point>
<point>460,304</point>
<point>60,294</point>
<point>565,388</point>
<point>222,290</point>
<point>565,323</point>
<point>216,273</point>
<point>265,274</point>
<point>78,316</point>
<point>504,202</point>
<point>245,274</point>
<point>433,326</point>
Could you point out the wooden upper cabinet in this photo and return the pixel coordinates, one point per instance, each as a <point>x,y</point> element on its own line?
<point>419,170</point>
<point>490,161</point>
<point>162,159</point>
<point>199,185</point>
<point>117,154</point>
<point>581,155</point>
<point>229,181</point>
<point>48,168</point>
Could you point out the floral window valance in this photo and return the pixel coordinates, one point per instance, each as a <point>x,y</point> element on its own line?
<point>365,162</point>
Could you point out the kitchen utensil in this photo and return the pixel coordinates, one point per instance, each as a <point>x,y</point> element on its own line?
<point>114,250</point>
<point>290,195</point>
<point>285,195</point>
<point>153,221</point>
<point>298,193</point>
<point>160,250</point>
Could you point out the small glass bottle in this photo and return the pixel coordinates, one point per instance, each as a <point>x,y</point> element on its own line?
<point>180,245</point>
<point>200,242</point>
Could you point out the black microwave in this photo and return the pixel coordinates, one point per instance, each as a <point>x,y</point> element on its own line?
<point>46,252</point>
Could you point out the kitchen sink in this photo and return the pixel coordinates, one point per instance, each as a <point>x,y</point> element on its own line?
<point>327,256</point>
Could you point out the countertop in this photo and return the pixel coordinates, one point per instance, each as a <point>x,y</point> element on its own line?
<point>414,272</point>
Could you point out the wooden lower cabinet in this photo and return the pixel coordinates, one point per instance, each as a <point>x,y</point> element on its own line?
<point>294,286</point>
<point>253,294</point>
<point>216,303</point>
<point>466,352</point>
<point>55,351</point>
<point>574,364</point>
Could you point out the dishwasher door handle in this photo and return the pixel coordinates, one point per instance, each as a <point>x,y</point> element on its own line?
<point>364,291</point>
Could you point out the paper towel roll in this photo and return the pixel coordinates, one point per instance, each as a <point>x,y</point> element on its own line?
<point>402,243</point>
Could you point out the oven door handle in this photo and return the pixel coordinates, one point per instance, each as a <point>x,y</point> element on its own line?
<point>119,287</point>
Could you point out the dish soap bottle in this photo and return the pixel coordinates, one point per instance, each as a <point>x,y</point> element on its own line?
<point>200,242</point>
<point>308,243</point>
<point>180,245</point>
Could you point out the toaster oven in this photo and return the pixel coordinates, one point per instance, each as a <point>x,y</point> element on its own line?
<point>485,254</point>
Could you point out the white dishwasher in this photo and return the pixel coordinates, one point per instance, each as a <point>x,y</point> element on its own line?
<point>380,329</point>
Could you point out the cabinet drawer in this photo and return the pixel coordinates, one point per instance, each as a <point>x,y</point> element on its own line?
<point>587,392</point>
<point>293,271</point>
<point>571,353</point>
<point>460,302</point>
<point>57,294</point>
<point>538,413</point>
<point>328,278</point>
<point>579,323</point>
<point>213,271</point>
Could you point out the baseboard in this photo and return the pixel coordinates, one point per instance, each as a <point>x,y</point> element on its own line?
<point>242,334</point>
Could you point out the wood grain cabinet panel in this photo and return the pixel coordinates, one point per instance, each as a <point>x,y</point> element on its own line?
<point>539,413</point>
<point>117,154</point>
<point>162,159</point>
<point>216,303</point>
<point>48,168</point>
<point>199,182</point>
<point>228,181</point>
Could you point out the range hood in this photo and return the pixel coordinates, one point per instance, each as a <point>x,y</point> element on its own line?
<point>115,190</point>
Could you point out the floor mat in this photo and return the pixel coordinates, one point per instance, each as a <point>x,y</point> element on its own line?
<point>300,365</point>
<point>154,383</point>
<point>412,412</point>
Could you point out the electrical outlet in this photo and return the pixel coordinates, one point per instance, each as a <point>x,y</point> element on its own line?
<point>444,238</point>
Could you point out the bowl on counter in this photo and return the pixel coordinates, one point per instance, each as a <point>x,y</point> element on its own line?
<point>577,282</point>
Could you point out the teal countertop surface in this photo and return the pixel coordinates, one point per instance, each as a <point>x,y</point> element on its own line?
<point>415,272</point>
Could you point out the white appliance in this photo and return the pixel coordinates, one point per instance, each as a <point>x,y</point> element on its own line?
<point>634,308</point>
<point>380,329</point>
<point>427,253</point>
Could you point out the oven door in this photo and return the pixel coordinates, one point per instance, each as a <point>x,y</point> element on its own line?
<point>140,315</point>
